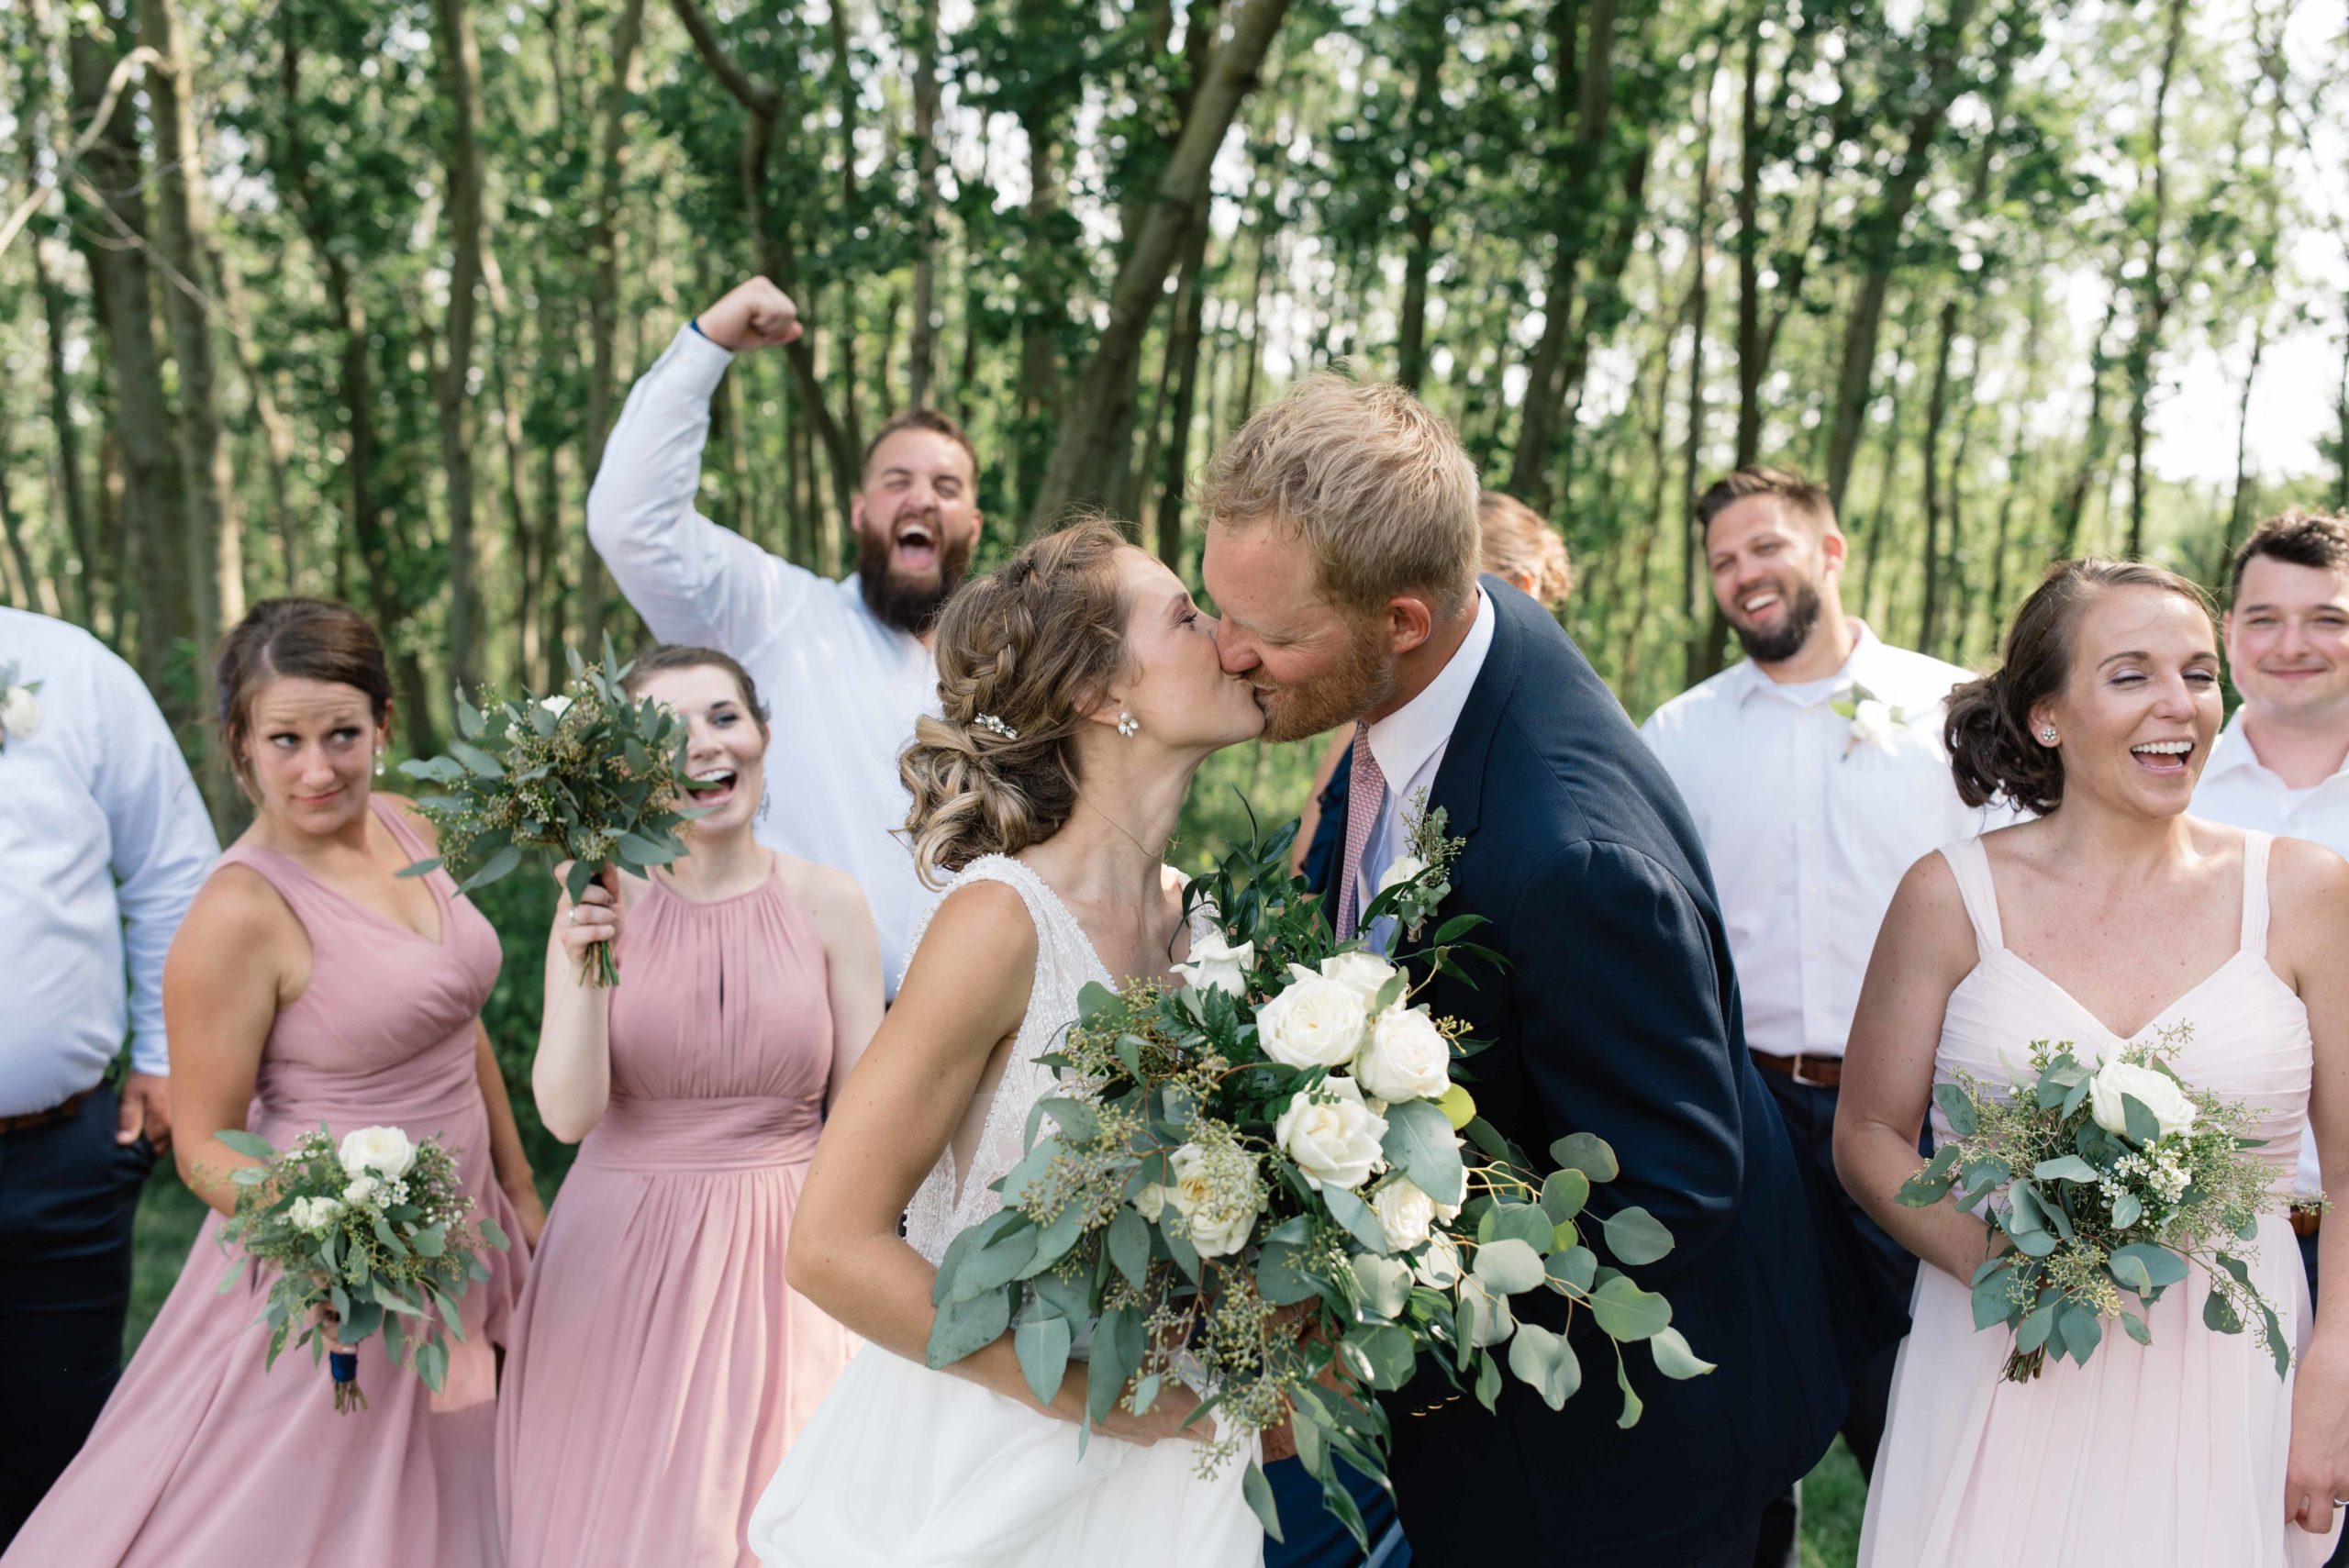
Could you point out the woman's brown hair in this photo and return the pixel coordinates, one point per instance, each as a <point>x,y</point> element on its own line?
<point>1987,728</point>
<point>1024,655</point>
<point>315,639</point>
<point>663,657</point>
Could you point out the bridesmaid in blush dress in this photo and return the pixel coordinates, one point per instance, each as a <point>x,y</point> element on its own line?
<point>309,983</point>
<point>2111,918</point>
<point>664,1365</point>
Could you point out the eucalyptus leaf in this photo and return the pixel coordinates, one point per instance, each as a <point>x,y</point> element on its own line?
<point>1545,1362</point>
<point>1626,1312</point>
<point>965,1328</point>
<point>1509,1265</point>
<point>1419,1140</point>
<point>1042,1344</point>
<point>1588,1153</point>
<point>1636,1237</point>
<point>1673,1356</point>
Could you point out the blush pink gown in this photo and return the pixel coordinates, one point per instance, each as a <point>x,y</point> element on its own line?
<point>2167,1455</point>
<point>203,1460</point>
<point>662,1365</point>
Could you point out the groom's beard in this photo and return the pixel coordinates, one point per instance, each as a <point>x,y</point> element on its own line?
<point>1362,679</point>
<point>1783,640</point>
<point>909,604</point>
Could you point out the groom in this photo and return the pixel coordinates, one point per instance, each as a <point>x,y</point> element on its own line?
<point>1341,550</point>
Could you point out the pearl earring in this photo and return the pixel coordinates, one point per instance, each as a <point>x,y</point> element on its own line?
<point>379,762</point>
<point>1128,725</point>
<point>2048,734</point>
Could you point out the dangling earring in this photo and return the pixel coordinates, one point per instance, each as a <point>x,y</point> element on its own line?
<point>1128,725</point>
<point>2048,734</point>
<point>379,761</point>
<point>766,798</point>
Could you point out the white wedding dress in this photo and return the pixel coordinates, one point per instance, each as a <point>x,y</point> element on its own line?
<point>903,1467</point>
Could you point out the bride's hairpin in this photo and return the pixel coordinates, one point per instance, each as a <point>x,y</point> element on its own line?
<point>995,726</point>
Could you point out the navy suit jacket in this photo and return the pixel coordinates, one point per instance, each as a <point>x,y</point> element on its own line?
<point>1618,1014</point>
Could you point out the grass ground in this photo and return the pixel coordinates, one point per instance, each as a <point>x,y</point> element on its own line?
<point>168,1216</point>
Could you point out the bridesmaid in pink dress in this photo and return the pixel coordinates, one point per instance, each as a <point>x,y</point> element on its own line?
<point>308,984</point>
<point>664,1365</point>
<point>2111,917</point>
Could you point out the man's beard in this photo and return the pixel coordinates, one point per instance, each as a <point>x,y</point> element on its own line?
<point>1362,680</point>
<point>910,605</point>
<point>1777,646</point>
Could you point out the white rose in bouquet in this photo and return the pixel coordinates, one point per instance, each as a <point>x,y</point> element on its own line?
<point>362,1192</point>
<point>1150,1202</point>
<point>1439,1268</point>
<point>1216,965</point>
<point>1401,870</point>
<point>1362,972</point>
<point>1314,1022</point>
<point>1217,1199</point>
<point>382,1150</point>
<point>1407,1057</point>
<point>1331,1135</point>
<point>19,712</point>
<point>2152,1088</point>
<point>1405,1213</point>
<point>311,1216</point>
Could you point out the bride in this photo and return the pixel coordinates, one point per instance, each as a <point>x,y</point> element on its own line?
<point>1079,691</point>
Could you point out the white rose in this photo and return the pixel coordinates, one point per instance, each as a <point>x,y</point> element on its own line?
<point>313,1215</point>
<point>2155,1090</point>
<point>1405,1213</point>
<point>1361,973</point>
<point>1439,1269</point>
<point>19,712</point>
<point>1150,1202</point>
<point>1219,1221</point>
<point>1216,965</point>
<point>557,706</point>
<point>1872,724</point>
<point>1331,1135</point>
<point>1402,869</point>
<point>1314,1022</point>
<point>362,1192</point>
<point>1407,1058</point>
<point>382,1150</point>
<point>1385,1283</point>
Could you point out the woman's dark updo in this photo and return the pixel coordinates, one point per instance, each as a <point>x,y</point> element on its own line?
<point>315,639</point>
<point>1031,650</point>
<point>1992,752</point>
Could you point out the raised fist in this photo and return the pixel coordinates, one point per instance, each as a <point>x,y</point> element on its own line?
<point>754,315</point>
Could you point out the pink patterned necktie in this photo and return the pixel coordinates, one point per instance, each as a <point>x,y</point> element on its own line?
<point>1366,800</point>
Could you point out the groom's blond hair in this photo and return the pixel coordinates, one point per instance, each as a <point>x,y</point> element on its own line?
<point>1379,488</point>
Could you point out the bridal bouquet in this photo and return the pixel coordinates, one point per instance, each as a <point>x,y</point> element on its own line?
<point>2106,1183</point>
<point>588,776</point>
<point>378,1230</point>
<point>1256,1184</point>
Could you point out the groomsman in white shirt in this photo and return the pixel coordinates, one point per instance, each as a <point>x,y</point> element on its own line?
<point>1817,776</point>
<point>844,667</point>
<point>103,843</point>
<point>2281,765</point>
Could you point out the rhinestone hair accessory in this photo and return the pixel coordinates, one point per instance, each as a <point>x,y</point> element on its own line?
<point>995,726</point>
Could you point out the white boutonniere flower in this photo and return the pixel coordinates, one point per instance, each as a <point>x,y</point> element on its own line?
<point>1874,722</point>
<point>19,708</point>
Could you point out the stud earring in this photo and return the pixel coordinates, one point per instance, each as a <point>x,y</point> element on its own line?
<point>379,762</point>
<point>2048,734</point>
<point>1128,725</point>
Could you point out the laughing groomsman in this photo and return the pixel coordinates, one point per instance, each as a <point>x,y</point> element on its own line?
<point>104,841</point>
<point>1816,775</point>
<point>845,666</point>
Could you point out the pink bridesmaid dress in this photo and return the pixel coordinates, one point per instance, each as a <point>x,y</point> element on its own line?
<point>662,1365</point>
<point>2167,1455</point>
<point>203,1458</point>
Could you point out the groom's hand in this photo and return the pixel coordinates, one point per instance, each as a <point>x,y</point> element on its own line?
<point>755,315</point>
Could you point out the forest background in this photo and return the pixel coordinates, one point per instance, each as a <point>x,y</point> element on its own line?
<point>341,297</point>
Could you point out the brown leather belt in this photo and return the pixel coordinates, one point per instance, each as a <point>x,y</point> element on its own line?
<point>1813,1071</point>
<point>56,1113</point>
<point>2306,1221</point>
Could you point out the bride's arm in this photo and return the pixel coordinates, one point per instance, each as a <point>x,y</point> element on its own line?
<point>966,992</point>
<point>1925,948</point>
<point>2311,939</point>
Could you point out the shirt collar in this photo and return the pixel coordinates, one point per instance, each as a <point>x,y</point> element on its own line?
<point>1406,738</point>
<point>1866,654</point>
<point>2232,753</point>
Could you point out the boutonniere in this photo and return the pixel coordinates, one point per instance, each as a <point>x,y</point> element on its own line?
<point>19,709</point>
<point>1420,876</point>
<point>1874,722</point>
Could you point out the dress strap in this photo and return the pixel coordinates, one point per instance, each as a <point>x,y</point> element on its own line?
<point>1971,865</point>
<point>2255,846</point>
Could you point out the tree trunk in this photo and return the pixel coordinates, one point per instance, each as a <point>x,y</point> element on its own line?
<point>921,347</point>
<point>1418,223</point>
<point>153,484</point>
<point>1874,546</point>
<point>1643,569</point>
<point>620,89</point>
<point>2071,506</point>
<point>1750,366</point>
<point>844,89</point>
<point>1702,653</point>
<point>1085,454</point>
<point>460,61</point>
<point>1936,415</point>
<point>2154,291</point>
<point>1183,349</point>
<point>32,123</point>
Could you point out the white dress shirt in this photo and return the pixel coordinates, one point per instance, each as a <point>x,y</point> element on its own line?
<point>1410,744</point>
<point>2237,788</point>
<point>1810,833</point>
<point>104,841</point>
<point>842,689</point>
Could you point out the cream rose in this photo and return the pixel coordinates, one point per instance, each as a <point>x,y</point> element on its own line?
<point>1314,1022</point>
<point>1405,1213</point>
<point>19,712</point>
<point>311,1216</point>
<point>1407,1057</point>
<point>557,706</point>
<point>1331,1135</point>
<point>1220,1214</point>
<point>2151,1088</point>
<point>1362,973</point>
<point>362,1192</point>
<point>1401,870</point>
<point>382,1150</point>
<point>1150,1202</point>
<point>1216,965</point>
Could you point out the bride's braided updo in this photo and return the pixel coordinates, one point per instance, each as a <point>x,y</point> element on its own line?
<point>1024,654</point>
